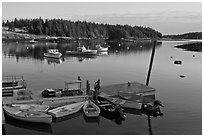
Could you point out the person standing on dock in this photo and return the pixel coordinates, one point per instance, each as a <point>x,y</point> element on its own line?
<point>96,89</point>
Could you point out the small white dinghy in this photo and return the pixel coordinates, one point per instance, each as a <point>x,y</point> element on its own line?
<point>31,107</point>
<point>53,53</point>
<point>101,49</point>
<point>28,116</point>
<point>91,109</point>
<point>66,110</point>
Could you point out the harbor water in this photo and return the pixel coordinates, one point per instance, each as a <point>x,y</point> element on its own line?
<point>178,86</point>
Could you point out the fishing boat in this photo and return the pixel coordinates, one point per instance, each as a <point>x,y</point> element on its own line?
<point>108,107</point>
<point>32,41</point>
<point>27,116</point>
<point>71,89</point>
<point>31,107</point>
<point>125,104</point>
<point>91,109</point>
<point>101,49</point>
<point>66,110</point>
<point>134,96</point>
<point>53,53</point>
<point>82,51</point>
<point>149,106</point>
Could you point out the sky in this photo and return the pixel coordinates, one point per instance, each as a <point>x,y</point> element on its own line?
<point>166,17</point>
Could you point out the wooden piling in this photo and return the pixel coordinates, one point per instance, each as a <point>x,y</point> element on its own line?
<point>87,87</point>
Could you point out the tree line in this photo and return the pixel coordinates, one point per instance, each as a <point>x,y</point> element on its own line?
<point>80,29</point>
<point>190,35</point>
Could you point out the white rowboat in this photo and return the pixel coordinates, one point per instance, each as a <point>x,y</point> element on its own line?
<point>90,109</point>
<point>66,110</point>
<point>28,116</point>
<point>31,107</point>
<point>101,49</point>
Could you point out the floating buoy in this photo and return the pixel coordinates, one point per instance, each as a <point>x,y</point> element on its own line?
<point>182,76</point>
<point>177,62</point>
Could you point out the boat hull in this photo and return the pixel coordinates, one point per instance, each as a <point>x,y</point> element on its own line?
<point>66,110</point>
<point>112,108</point>
<point>102,50</point>
<point>48,55</point>
<point>132,96</point>
<point>81,53</point>
<point>27,116</point>
<point>94,111</point>
<point>32,107</point>
<point>125,104</point>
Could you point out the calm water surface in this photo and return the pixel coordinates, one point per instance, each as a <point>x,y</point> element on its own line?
<point>182,97</point>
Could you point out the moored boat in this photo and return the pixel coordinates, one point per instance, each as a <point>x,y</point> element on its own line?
<point>31,107</point>
<point>28,116</point>
<point>149,106</point>
<point>125,104</point>
<point>53,53</point>
<point>108,107</point>
<point>91,109</point>
<point>101,49</point>
<point>66,110</point>
<point>133,96</point>
<point>71,89</point>
<point>32,41</point>
<point>82,51</point>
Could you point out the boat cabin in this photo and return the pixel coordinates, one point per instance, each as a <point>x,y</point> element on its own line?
<point>54,51</point>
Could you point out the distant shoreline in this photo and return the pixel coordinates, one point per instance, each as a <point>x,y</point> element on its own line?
<point>19,36</point>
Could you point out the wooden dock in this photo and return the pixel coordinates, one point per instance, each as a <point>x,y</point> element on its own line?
<point>131,87</point>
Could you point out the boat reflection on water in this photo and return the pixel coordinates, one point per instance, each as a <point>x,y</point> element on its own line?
<point>102,53</point>
<point>92,119</point>
<point>3,129</point>
<point>141,112</point>
<point>56,120</point>
<point>133,111</point>
<point>53,60</point>
<point>80,58</point>
<point>116,118</point>
<point>41,127</point>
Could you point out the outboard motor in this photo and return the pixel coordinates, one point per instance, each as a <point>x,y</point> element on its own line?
<point>152,109</point>
<point>121,112</point>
